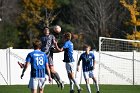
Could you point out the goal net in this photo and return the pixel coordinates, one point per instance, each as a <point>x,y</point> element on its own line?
<point>119,61</point>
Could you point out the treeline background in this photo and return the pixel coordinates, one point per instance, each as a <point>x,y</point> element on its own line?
<point>23,20</point>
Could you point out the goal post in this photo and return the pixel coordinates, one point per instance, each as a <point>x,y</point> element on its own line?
<point>119,61</point>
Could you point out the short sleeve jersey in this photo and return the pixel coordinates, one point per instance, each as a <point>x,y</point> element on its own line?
<point>68,51</point>
<point>38,61</point>
<point>87,61</point>
<point>47,43</point>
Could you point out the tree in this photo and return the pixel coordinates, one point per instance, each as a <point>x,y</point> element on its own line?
<point>8,31</point>
<point>35,15</point>
<point>9,36</point>
<point>135,19</point>
<point>95,18</point>
<point>134,11</point>
<point>9,10</point>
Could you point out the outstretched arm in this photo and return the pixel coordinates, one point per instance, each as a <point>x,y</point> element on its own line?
<point>24,69</point>
<point>56,46</point>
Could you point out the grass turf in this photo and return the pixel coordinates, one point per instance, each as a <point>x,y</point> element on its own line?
<point>55,89</point>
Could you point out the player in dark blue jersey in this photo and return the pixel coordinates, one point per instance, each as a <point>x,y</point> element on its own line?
<point>88,65</point>
<point>69,60</point>
<point>39,64</point>
<point>48,47</point>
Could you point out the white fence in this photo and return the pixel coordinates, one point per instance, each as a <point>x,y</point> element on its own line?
<point>10,71</point>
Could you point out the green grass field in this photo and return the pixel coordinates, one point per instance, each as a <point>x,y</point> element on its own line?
<point>55,89</point>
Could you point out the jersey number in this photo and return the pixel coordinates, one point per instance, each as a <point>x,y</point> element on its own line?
<point>39,60</point>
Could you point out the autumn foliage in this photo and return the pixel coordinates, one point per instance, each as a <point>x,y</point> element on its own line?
<point>135,20</point>
<point>35,15</point>
<point>134,11</point>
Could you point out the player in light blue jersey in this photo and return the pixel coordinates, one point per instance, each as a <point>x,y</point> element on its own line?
<point>88,65</point>
<point>69,60</point>
<point>39,64</point>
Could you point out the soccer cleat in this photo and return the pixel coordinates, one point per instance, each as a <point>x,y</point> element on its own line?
<point>21,65</point>
<point>62,85</point>
<point>79,90</point>
<point>71,91</point>
<point>98,92</point>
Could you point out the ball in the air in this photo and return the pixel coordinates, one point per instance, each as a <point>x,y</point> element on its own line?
<point>57,29</point>
<point>0,19</point>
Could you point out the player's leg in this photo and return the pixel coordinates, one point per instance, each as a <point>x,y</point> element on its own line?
<point>86,77</point>
<point>41,84</point>
<point>59,80</point>
<point>71,76</point>
<point>52,74</point>
<point>41,90</point>
<point>95,81</point>
<point>68,68</point>
<point>55,75</point>
<point>88,85</point>
<point>33,90</point>
<point>70,71</point>
<point>71,86</point>
<point>33,84</point>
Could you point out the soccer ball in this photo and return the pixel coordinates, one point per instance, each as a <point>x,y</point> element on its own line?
<point>0,19</point>
<point>57,29</point>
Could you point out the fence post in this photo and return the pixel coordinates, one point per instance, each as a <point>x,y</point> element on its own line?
<point>9,51</point>
<point>99,69</point>
<point>133,67</point>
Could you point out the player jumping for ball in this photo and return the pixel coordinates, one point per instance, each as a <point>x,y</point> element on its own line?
<point>48,47</point>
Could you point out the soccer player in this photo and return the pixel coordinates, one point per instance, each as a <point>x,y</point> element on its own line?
<point>88,66</point>
<point>39,64</point>
<point>69,60</point>
<point>48,46</point>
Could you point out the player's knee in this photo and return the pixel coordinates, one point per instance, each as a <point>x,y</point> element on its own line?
<point>70,76</point>
<point>52,75</point>
<point>52,70</point>
<point>87,81</point>
<point>94,80</point>
<point>40,90</point>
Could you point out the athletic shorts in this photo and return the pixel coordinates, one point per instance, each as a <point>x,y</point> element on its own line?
<point>88,74</point>
<point>34,83</point>
<point>70,67</point>
<point>50,61</point>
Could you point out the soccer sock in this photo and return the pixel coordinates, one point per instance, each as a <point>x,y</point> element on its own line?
<point>57,77</point>
<point>88,88</point>
<point>71,84</point>
<point>77,85</point>
<point>97,86</point>
<point>54,77</point>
